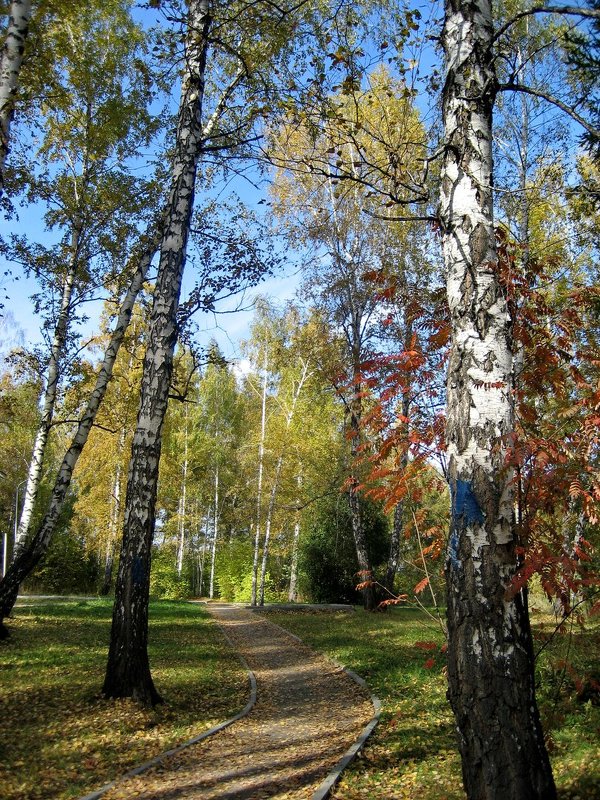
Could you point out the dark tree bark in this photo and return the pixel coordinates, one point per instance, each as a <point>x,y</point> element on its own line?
<point>490,658</point>
<point>128,669</point>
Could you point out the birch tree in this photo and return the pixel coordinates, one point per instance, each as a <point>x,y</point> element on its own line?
<point>490,669</point>
<point>128,668</point>
<point>10,68</point>
<point>33,549</point>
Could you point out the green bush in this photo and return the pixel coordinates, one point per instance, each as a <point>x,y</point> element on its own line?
<point>327,559</point>
<point>67,568</point>
<point>165,583</point>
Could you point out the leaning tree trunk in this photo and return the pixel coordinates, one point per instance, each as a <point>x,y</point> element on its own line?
<point>31,553</point>
<point>128,668</point>
<point>10,67</point>
<point>490,658</point>
<point>59,339</point>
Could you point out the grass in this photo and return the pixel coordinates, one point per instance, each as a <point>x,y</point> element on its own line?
<point>413,752</point>
<point>60,739</point>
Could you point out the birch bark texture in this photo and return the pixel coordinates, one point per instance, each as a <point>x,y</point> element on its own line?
<point>57,352</point>
<point>490,657</point>
<point>10,68</point>
<point>128,669</point>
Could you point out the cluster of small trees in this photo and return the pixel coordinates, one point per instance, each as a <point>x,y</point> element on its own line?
<point>345,398</point>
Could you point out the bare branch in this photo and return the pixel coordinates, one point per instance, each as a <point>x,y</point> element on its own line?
<point>573,11</point>
<point>518,87</point>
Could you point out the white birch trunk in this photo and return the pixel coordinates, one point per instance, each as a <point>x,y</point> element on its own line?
<point>115,513</point>
<point>261,459</point>
<point>10,68</point>
<point>128,668</point>
<point>205,545</point>
<point>490,660</point>
<point>213,550</point>
<point>34,474</point>
<point>182,502</point>
<point>293,590</point>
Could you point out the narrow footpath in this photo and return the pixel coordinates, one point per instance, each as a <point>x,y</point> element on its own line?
<point>307,714</point>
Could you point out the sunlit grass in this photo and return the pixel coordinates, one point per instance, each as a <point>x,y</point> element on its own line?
<point>413,752</point>
<point>60,739</point>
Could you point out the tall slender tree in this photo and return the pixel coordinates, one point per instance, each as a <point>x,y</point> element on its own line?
<point>128,669</point>
<point>490,656</point>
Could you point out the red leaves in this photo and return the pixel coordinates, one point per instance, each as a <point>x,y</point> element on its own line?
<point>426,645</point>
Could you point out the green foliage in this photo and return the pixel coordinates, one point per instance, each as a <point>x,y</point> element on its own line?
<point>165,583</point>
<point>234,574</point>
<point>327,562</point>
<point>68,567</point>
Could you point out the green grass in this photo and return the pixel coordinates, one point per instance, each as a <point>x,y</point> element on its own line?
<point>60,739</point>
<point>412,752</point>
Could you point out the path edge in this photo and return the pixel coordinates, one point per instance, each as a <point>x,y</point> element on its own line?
<point>330,782</point>
<point>153,762</point>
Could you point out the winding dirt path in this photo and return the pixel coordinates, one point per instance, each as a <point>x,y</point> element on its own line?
<point>308,713</point>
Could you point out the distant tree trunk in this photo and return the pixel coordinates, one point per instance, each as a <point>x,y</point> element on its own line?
<point>261,458</point>
<point>10,68</point>
<point>205,545</point>
<point>213,549</point>
<point>354,499</point>
<point>115,515</point>
<point>490,655</point>
<point>398,523</point>
<point>274,489</point>
<point>293,590</point>
<point>33,550</point>
<point>128,668</point>
<point>182,504</point>
<point>267,539</point>
<point>34,474</point>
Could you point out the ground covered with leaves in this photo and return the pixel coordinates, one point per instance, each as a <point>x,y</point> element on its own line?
<point>413,753</point>
<point>60,739</point>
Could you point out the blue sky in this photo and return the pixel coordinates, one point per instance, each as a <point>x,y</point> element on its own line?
<point>228,329</point>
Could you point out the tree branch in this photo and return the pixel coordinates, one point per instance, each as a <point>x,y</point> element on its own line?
<point>573,11</point>
<point>518,87</point>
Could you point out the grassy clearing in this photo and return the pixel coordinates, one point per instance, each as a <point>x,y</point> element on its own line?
<point>60,739</point>
<point>413,753</point>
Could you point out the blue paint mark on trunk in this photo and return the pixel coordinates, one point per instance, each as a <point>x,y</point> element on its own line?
<point>465,504</point>
<point>453,550</point>
<point>465,511</point>
<point>137,571</point>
